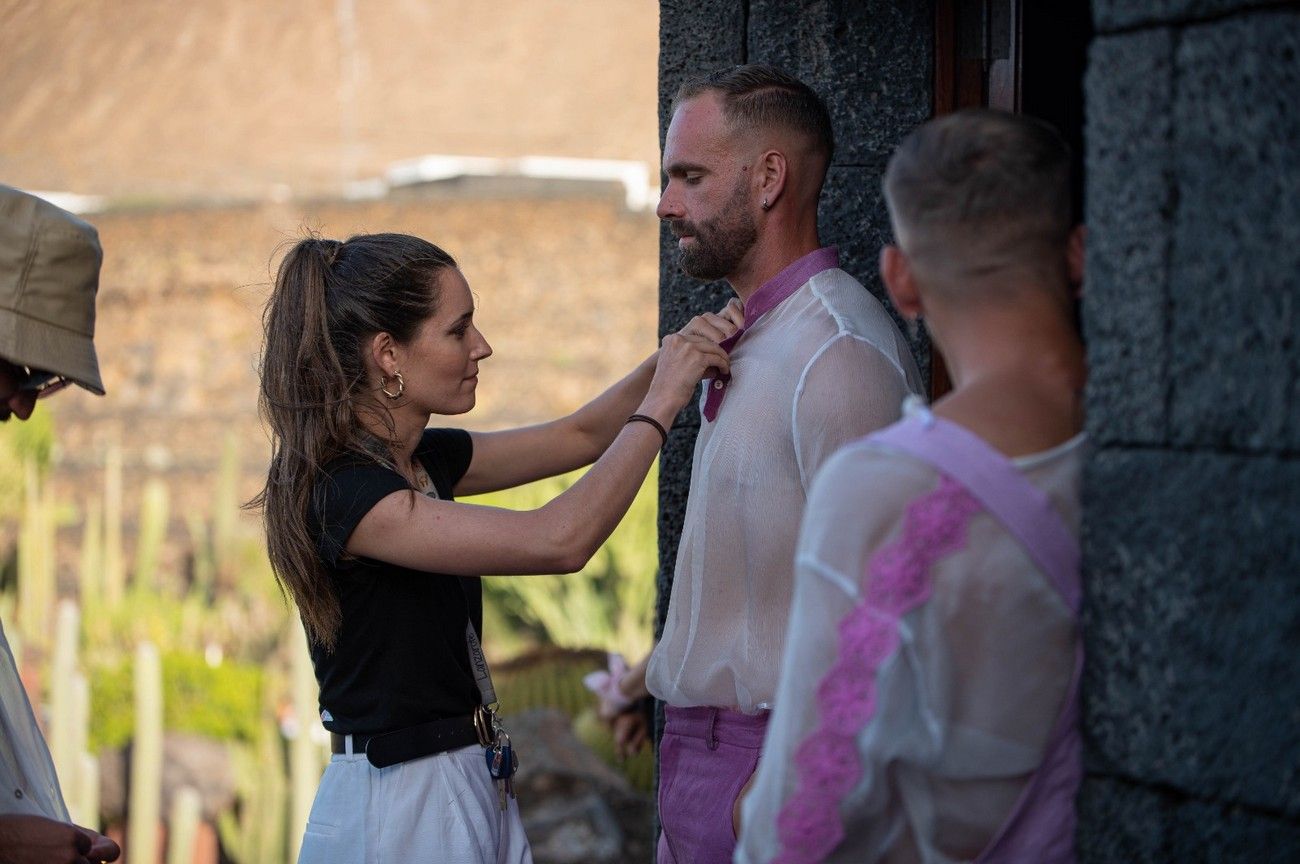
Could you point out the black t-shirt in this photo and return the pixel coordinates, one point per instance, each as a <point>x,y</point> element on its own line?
<point>401,657</point>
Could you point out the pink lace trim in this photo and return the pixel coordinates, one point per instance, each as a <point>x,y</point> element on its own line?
<point>897,580</point>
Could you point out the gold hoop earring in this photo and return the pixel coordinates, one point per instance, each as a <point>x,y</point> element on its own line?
<point>383,386</point>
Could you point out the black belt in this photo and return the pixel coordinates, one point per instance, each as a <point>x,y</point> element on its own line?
<point>413,742</point>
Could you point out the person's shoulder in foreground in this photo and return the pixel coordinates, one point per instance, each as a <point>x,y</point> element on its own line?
<point>49,275</point>
<point>927,707</point>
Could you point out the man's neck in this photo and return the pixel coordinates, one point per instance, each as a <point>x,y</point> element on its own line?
<point>768,258</point>
<point>1018,378</point>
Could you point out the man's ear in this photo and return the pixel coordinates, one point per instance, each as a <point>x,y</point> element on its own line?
<point>772,173</point>
<point>1075,248</point>
<point>896,273</point>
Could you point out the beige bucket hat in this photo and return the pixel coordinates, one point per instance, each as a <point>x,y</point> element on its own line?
<point>49,275</point>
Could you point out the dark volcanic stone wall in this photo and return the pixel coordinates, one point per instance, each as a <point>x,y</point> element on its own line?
<point>1192,312</point>
<point>1192,544</point>
<point>870,60</point>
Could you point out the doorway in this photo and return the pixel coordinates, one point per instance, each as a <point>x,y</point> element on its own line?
<point>1015,55</point>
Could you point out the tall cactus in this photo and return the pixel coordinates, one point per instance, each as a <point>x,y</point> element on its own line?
<point>146,758</point>
<point>254,833</point>
<point>225,513</point>
<point>304,757</point>
<point>36,588</point>
<point>82,795</point>
<point>150,534</point>
<point>202,562</point>
<point>88,806</point>
<point>91,575</point>
<point>183,825</point>
<point>114,563</point>
<point>63,672</point>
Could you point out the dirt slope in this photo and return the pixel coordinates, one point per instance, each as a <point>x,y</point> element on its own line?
<point>155,100</point>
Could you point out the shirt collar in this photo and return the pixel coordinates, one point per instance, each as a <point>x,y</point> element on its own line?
<point>789,280</point>
<point>764,300</point>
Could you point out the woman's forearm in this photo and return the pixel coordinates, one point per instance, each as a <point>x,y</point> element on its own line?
<point>599,421</point>
<point>586,514</point>
<point>514,456</point>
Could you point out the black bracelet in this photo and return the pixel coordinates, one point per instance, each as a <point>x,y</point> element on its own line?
<point>659,427</point>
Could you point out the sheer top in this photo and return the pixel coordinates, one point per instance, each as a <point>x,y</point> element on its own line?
<point>969,682</point>
<point>825,366</point>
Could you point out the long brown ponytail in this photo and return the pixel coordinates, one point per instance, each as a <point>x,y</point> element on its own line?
<point>329,298</point>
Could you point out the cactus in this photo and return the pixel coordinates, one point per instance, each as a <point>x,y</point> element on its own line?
<point>183,825</point>
<point>36,588</point>
<point>92,555</point>
<point>225,513</point>
<point>305,756</point>
<point>87,806</point>
<point>152,530</point>
<point>81,789</point>
<point>609,603</point>
<point>203,565</point>
<point>114,565</point>
<point>255,834</point>
<point>63,672</point>
<point>146,758</point>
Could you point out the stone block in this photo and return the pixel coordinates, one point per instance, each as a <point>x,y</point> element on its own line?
<point>1131,196</point>
<point>674,484</point>
<point>1142,825</point>
<point>1125,14</point>
<point>696,37</point>
<point>1192,623</point>
<point>1234,281</point>
<point>871,61</point>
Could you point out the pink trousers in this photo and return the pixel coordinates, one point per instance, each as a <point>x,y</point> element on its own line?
<point>705,758</point>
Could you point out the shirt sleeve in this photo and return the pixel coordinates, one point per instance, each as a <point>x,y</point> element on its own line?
<point>446,454</point>
<point>849,389</point>
<point>852,509</point>
<point>344,495</point>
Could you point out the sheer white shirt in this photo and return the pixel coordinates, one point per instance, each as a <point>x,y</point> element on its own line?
<point>965,704</point>
<point>825,366</point>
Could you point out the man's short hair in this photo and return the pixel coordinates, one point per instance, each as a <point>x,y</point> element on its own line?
<point>980,190</point>
<point>758,97</point>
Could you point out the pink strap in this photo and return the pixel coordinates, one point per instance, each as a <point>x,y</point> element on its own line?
<point>1023,509</point>
<point>1040,824</point>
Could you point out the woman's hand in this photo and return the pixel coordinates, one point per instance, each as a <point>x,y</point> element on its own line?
<point>683,361</point>
<point>717,325</point>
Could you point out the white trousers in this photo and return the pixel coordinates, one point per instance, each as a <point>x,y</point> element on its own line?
<point>441,809</point>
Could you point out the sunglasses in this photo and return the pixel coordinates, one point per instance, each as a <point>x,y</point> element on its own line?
<point>42,383</point>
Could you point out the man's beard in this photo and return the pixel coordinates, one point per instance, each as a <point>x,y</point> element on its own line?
<point>720,243</point>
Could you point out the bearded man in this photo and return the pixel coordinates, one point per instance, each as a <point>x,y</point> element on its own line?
<point>816,363</point>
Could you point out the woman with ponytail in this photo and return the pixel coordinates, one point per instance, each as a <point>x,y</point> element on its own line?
<point>365,340</point>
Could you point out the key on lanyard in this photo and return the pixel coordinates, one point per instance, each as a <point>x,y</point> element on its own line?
<point>502,762</point>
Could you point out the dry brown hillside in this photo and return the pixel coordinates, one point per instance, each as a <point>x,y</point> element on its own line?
<point>152,100</point>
